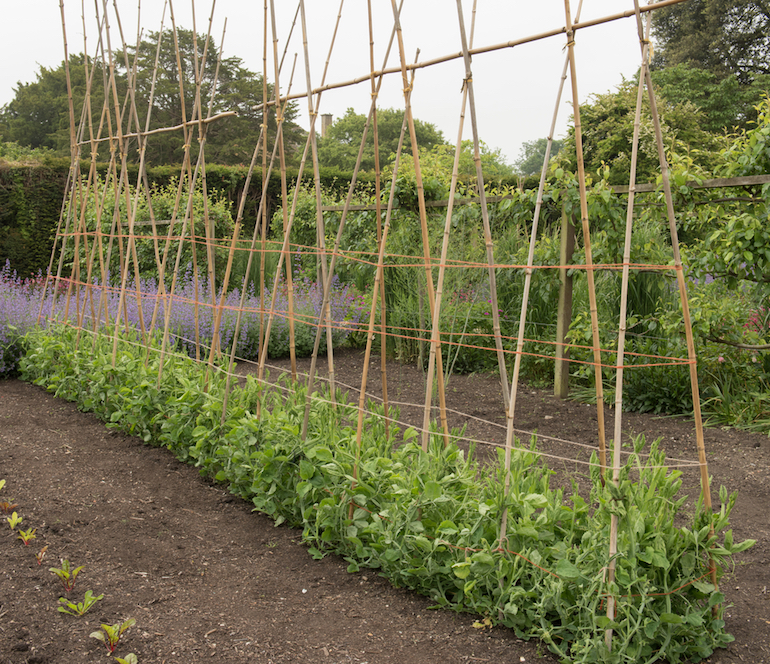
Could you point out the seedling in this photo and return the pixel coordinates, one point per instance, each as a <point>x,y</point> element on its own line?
<point>27,536</point>
<point>66,575</point>
<point>2,484</point>
<point>79,608</point>
<point>110,634</point>
<point>14,520</point>
<point>6,507</point>
<point>41,554</point>
<point>129,659</point>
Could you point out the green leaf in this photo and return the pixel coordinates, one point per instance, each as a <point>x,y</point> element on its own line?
<point>603,622</point>
<point>671,618</point>
<point>566,570</point>
<point>462,569</point>
<point>716,598</point>
<point>432,490</point>
<point>323,454</point>
<point>537,500</point>
<point>448,528</point>
<point>704,587</point>
<point>306,469</point>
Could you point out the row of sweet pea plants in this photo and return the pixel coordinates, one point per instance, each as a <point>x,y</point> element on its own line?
<point>429,521</point>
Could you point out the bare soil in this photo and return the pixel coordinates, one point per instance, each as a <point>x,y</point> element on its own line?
<point>206,579</point>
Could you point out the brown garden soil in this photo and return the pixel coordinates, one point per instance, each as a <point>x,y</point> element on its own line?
<point>206,579</point>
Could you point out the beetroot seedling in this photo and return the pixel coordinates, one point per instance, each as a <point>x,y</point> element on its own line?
<point>14,520</point>
<point>131,658</point>
<point>6,507</point>
<point>110,634</point>
<point>79,608</point>
<point>41,554</point>
<point>27,536</point>
<point>66,574</point>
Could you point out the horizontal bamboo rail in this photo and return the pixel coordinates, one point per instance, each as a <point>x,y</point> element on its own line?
<point>648,187</point>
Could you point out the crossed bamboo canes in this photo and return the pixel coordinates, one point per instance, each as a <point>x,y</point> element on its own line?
<point>118,138</point>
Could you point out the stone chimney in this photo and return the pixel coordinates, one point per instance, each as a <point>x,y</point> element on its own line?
<point>326,122</point>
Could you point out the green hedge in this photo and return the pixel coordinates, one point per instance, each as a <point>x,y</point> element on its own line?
<point>31,197</point>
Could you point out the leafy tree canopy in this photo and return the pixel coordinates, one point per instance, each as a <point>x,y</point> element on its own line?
<point>608,128</point>
<point>339,148</point>
<point>38,116</point>
<point>724,102</point>
<point>722,36</point>
<point>437,164</point>
<point>532,153</point>
<point>229,140</point>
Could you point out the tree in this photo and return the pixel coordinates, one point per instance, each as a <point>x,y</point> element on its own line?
<point>723,36</point>
<point>532,153</point>
<point>339,148</point>
<point>230,140</point>
<point>608,127</point>
<point>38,116</point>
<point>724,102</point>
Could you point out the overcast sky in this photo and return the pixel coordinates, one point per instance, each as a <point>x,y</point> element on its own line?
<point>515,87</point>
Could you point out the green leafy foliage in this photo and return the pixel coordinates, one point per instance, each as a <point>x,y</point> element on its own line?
<point>532,154</point>
<point>14,520</point>
<point>79,608</point>
<point>607,123</point>
<point>67,574</point>
<point>721,36</point>
<point>339,147</point>
<point>110,635</point>
<point>106,207</point>
<point>431,521</point>
<point>27,536</point>
<point>131,658</point>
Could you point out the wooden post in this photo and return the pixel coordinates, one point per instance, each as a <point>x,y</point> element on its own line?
<point>564,314</point>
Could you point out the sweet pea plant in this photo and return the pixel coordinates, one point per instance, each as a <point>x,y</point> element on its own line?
<point>431,521</point>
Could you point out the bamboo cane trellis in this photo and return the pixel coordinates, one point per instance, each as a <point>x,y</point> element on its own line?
<point>119,122</point>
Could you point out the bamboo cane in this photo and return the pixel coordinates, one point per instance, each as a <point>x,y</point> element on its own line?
<point>423,225</point>
<point>487,49</point>
<point>525,296</point>
<point>265,181</point>
<point>335,251</point>
<point>435,340</point>
<point>586,231</point>
<point>622,326</point>
<point>378,213</point>
<point>483,205</point>
<point>682,286</point>
<point>373,310</point>
<point>321,231</point>
<point>284,200</point>
<point>260,213</point>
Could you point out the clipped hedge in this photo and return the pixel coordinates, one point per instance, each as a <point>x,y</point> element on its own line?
<point>31,196</point>
<point>427,521</point>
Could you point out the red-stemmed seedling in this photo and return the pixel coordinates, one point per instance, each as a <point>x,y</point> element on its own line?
<point>66,574</point>
<point>27,536</point>
<point>110,634</point>
<point>41,554</point>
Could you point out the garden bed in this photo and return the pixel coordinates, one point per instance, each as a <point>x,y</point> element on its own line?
<point>204,577</point>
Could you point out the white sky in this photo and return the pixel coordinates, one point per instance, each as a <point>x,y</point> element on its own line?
<point>515,88</point>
